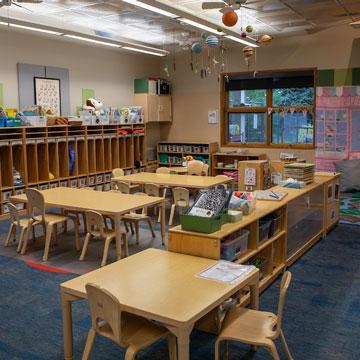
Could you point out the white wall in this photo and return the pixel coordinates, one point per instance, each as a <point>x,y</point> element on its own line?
<point>110,72</point>
<point>338,47</point>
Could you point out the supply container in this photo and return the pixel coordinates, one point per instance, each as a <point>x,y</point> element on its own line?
<point>232,247</point>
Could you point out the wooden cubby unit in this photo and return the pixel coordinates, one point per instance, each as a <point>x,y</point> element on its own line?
<point>38,151</point>
<point>72,144</point>
<point>297,222</point>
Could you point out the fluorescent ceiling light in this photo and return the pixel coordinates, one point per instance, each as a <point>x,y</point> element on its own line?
<point>18,26</point>
<point>3,23</point>
<point>200,26</point>
<point>151,8</point>
<point>242,41</point>
<point>143,51</point>
<point>92,40</point>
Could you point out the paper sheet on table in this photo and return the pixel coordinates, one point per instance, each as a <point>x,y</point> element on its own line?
<point>226,271</point>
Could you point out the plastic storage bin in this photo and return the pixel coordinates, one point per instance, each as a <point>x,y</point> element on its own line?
<point>232,247</point>
<point>264,227</point>
<point>275,225</point>
<point>202,224</point>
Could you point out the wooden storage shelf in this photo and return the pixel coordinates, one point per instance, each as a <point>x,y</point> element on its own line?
<point>72,144</point>
<point>292,236</point>
<point>168,151</point>
<point>38,151</point>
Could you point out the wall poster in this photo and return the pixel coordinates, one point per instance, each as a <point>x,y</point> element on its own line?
<point>47,94</point>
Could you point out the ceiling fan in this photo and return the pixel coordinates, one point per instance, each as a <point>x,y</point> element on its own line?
<point>226,5</point>
<point>17,3</point>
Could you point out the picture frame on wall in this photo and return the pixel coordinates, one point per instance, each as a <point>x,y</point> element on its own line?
<point>48,94</point>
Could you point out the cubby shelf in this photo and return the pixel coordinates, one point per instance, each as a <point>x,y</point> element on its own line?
<point>41,156</point>
<point>171,153</point>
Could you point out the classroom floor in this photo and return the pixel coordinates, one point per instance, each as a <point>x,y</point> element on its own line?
<point>321,314</point>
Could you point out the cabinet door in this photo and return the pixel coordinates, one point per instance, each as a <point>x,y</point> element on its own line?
<point>165,111</point>
<point>153,108</point>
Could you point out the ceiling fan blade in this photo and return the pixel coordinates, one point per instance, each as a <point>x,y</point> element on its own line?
<point>22,7</point>
<point>29,1</point>
<point>212,5</point>
<point>249,8</point>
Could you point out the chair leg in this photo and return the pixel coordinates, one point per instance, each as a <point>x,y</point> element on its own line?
<point>172,347</point>
<point>106,250</point>
<point>76,230</point>
<point>89,344</point>
<point>10,234</point>
<point>33,233</point>
<point>49,229</point>
<point>126,226</point>
<point>285,345</point>
<point>137,232</point>
<point>85,246</point>
<point>130,353</point>
<point>26,239</point>
<point>54,233</point>
<point>131,228</point>
<point>226,350</point>
<point>21,238</point>
<point>118,247</point>
<point>151,227</point>
<point>217,349</point>
<point>126,244</point>
<point>172,212</point>
<point>272,349</point>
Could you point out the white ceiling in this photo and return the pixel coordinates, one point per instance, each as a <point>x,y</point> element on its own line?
<point>120,20</point>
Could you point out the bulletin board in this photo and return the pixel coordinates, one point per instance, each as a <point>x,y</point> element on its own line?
<point>337,118</point>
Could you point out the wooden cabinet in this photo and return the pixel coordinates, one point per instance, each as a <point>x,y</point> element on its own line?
<point>157,108</point>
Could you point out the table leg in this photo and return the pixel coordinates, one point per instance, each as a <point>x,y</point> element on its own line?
<point>67,325</point>
<point>118,233</point>
<point>183,341</point>
<point>163,226</point>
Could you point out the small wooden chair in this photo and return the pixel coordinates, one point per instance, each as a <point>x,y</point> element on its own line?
<point>121,186</point>
<point>96,227</point>
<point>135,218</point>
<point>117,172</point>
<point>163,170</point>
<point>155,190</point>
<point>129,331</point>
<point>50,220</point>
<point>195,167</point>
<point>16,222</point>
<point>205,170</point>
<point>257,328</point>
<point>181,199</point>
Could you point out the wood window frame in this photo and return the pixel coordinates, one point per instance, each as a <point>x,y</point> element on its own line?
<point>224,103</point>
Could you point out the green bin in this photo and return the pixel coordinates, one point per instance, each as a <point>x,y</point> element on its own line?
<point>202,224</point>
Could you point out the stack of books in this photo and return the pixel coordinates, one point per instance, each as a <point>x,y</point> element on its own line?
<point>300,171</point>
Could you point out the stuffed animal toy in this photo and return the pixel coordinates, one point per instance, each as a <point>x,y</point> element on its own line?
<point>93,105</point>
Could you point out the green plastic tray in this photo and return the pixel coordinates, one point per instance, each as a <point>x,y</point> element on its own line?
<point>202,224</point>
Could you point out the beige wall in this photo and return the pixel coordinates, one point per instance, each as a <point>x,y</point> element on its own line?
<point>193,96</point>
<point>110,72</point>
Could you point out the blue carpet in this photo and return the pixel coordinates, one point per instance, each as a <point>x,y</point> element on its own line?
<point>321,314</point>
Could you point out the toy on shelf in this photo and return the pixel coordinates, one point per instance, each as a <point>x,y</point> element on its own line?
<point>243,201</point>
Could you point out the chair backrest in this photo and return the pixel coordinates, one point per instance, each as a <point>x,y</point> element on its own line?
<point>104,307</point>
<point>95,224</point>
<point>121,186</point>
<point>152,189</point>
<point>117,172</point>
<point>205,170</point>
<point>285,283</point>
<point>195,167</point>
<point>144,209</point>
<point>163,170</point>
<point>14,213</point>
<point>36,202</point>
<point>181,196</point>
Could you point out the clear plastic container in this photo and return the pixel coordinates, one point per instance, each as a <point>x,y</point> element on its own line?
<point>232,247</point>
<point>264,227</point>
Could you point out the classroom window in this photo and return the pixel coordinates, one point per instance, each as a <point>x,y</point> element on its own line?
<point>247,128</point>
<point>273,109</point>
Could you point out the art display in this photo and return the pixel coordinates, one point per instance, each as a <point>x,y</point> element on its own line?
<point>47,94</point>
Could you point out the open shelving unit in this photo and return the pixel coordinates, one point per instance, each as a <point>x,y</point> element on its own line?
<point>41,156</point>
<point>279,231</point>
<point>171,153</point>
